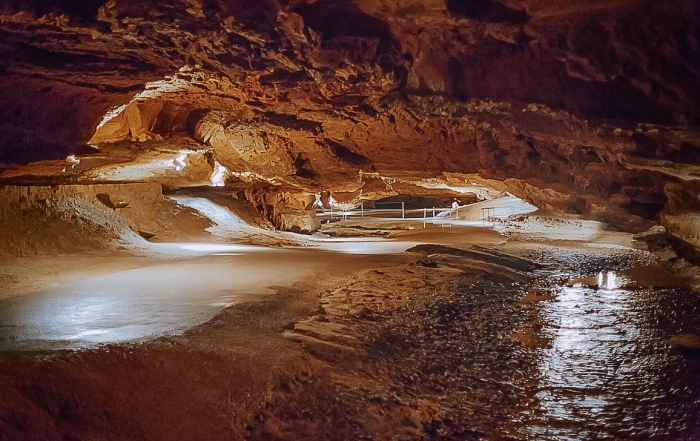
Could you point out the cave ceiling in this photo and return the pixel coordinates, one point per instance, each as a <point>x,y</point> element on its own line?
<point>585,106</point>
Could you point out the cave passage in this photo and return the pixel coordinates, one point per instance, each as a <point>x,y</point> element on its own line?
<point>349,220</point>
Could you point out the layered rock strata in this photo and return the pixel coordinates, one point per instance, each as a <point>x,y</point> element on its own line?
<point>589,108</point>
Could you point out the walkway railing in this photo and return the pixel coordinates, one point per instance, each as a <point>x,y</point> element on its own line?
<point>488,214</point>
<point>397,210</point>
<point>393,210</point>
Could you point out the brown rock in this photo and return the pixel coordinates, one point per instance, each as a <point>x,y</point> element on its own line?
<point>687,342</point>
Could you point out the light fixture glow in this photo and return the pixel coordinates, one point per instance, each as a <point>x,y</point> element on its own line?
<point>317,203</point>
<point>180,162</point>
<point>218,175</point>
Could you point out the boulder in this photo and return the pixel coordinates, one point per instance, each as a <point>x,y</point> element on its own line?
<point>298,221</point>
<point>656,232</point>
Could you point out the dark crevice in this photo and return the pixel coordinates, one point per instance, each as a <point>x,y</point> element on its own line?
<point>342,19</point>
<point>487,10</point>
<point>84,10</point>
<point>303,166</point>
<point>345,154</point>
<point>292,122</point>
<point>193,120</point>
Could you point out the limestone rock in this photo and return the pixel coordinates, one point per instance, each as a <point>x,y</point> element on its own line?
<point>579,107</point>
<point>655,232</point>
<point>686,342</point>
<point>298,221</point>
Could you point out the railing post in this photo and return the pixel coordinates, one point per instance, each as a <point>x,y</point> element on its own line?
<point>433,211</point>
<point>403,210</point>
<point>425,214</point>
<point>362,208</point>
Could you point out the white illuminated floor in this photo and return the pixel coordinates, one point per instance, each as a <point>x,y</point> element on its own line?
<point>186,284</point>
<point>150,301</point>
<point>189,288</point>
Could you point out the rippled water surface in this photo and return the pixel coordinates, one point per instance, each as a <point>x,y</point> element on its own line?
<point>609,372</point>
<point>593,362</point>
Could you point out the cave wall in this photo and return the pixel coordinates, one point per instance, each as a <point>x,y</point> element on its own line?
<point>577,99</point>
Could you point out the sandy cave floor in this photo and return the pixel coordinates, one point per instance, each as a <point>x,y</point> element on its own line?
<point>358,339</point>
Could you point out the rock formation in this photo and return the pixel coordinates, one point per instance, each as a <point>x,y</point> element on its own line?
<point>588,107</point>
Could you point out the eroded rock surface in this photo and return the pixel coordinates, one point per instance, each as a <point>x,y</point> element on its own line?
<point>582,108</point>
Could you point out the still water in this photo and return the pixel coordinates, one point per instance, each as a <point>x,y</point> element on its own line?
<point>590,360</point>
<point>609,371</point>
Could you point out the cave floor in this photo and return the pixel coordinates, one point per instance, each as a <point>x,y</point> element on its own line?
<point>517,338</point>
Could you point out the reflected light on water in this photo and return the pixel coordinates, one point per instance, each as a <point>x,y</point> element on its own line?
<point>600,377</point>
<point>610,280</point>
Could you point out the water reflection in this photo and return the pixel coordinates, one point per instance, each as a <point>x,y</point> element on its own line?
<point>611,280</point>
<point>602,376</point>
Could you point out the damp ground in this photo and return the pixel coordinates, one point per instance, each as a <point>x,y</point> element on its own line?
<point>508,339</point>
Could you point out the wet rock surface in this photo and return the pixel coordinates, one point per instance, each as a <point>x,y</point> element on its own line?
<point>609,371</point>
<point>420,361</point>
<point>437,348</point>
<point>686,342</point>
<point>458,353</point>
<point>478,360</point>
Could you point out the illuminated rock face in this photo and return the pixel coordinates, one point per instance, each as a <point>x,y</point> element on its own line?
<point>584,107</point>
<point>76,217</point>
